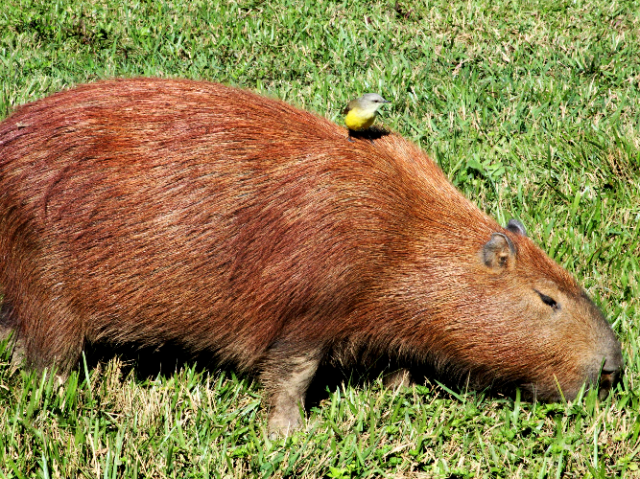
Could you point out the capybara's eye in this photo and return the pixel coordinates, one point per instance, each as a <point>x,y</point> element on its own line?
<point>548,300</point>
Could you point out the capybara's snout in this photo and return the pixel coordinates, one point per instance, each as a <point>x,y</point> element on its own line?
<point>612,367</point>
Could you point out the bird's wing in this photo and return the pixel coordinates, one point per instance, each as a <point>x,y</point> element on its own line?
<point>349,107</point>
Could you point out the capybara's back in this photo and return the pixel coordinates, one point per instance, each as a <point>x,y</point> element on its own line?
<point>149,211</point>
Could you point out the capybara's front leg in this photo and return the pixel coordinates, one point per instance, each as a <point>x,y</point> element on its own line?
<point>286,375</point>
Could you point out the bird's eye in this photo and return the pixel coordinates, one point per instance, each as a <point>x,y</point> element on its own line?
<point>548,300</point>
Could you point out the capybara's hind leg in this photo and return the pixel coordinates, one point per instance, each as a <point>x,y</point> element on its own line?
<point>7,320</point>
<point>287,377</point>
<point>52,336</point>
<point>397,378</point>
<point>8,329</point>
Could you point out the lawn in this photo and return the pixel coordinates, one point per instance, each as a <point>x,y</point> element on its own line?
<point>533,111</point>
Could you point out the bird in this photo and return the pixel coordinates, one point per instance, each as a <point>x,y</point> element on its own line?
<point>361,112</point>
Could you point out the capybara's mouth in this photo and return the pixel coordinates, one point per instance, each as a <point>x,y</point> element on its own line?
<point>611,370</point>
<point>608,380</point>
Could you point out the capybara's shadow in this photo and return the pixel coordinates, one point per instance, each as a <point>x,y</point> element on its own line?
<point>148,363</point>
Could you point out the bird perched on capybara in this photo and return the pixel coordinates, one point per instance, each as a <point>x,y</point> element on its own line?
<point>149,211</point>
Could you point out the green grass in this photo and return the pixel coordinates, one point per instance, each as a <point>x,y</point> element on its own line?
<point>531,108</point>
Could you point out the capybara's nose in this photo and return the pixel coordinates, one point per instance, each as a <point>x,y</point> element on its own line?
<point>611,371</point>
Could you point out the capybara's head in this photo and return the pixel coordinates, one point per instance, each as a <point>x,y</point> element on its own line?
<point>516,319</point>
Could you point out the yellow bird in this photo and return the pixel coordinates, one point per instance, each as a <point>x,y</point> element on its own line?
<point>361,112</point>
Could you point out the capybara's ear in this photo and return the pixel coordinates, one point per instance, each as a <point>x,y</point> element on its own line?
<point>499,253</point>
<point>516,227</point>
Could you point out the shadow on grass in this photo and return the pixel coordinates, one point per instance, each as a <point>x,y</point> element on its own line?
<point>146,364</point>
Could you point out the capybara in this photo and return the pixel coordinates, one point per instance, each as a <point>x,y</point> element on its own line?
<point>152,211</point>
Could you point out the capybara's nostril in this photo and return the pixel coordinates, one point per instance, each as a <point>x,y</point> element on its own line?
<point>613,361</point>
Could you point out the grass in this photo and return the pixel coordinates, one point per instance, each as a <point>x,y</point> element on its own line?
<point>531,108</point>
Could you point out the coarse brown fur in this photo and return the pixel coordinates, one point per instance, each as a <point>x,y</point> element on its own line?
<point>153,211</point>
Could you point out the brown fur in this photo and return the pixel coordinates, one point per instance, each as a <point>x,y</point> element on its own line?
<point>150,211</point>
